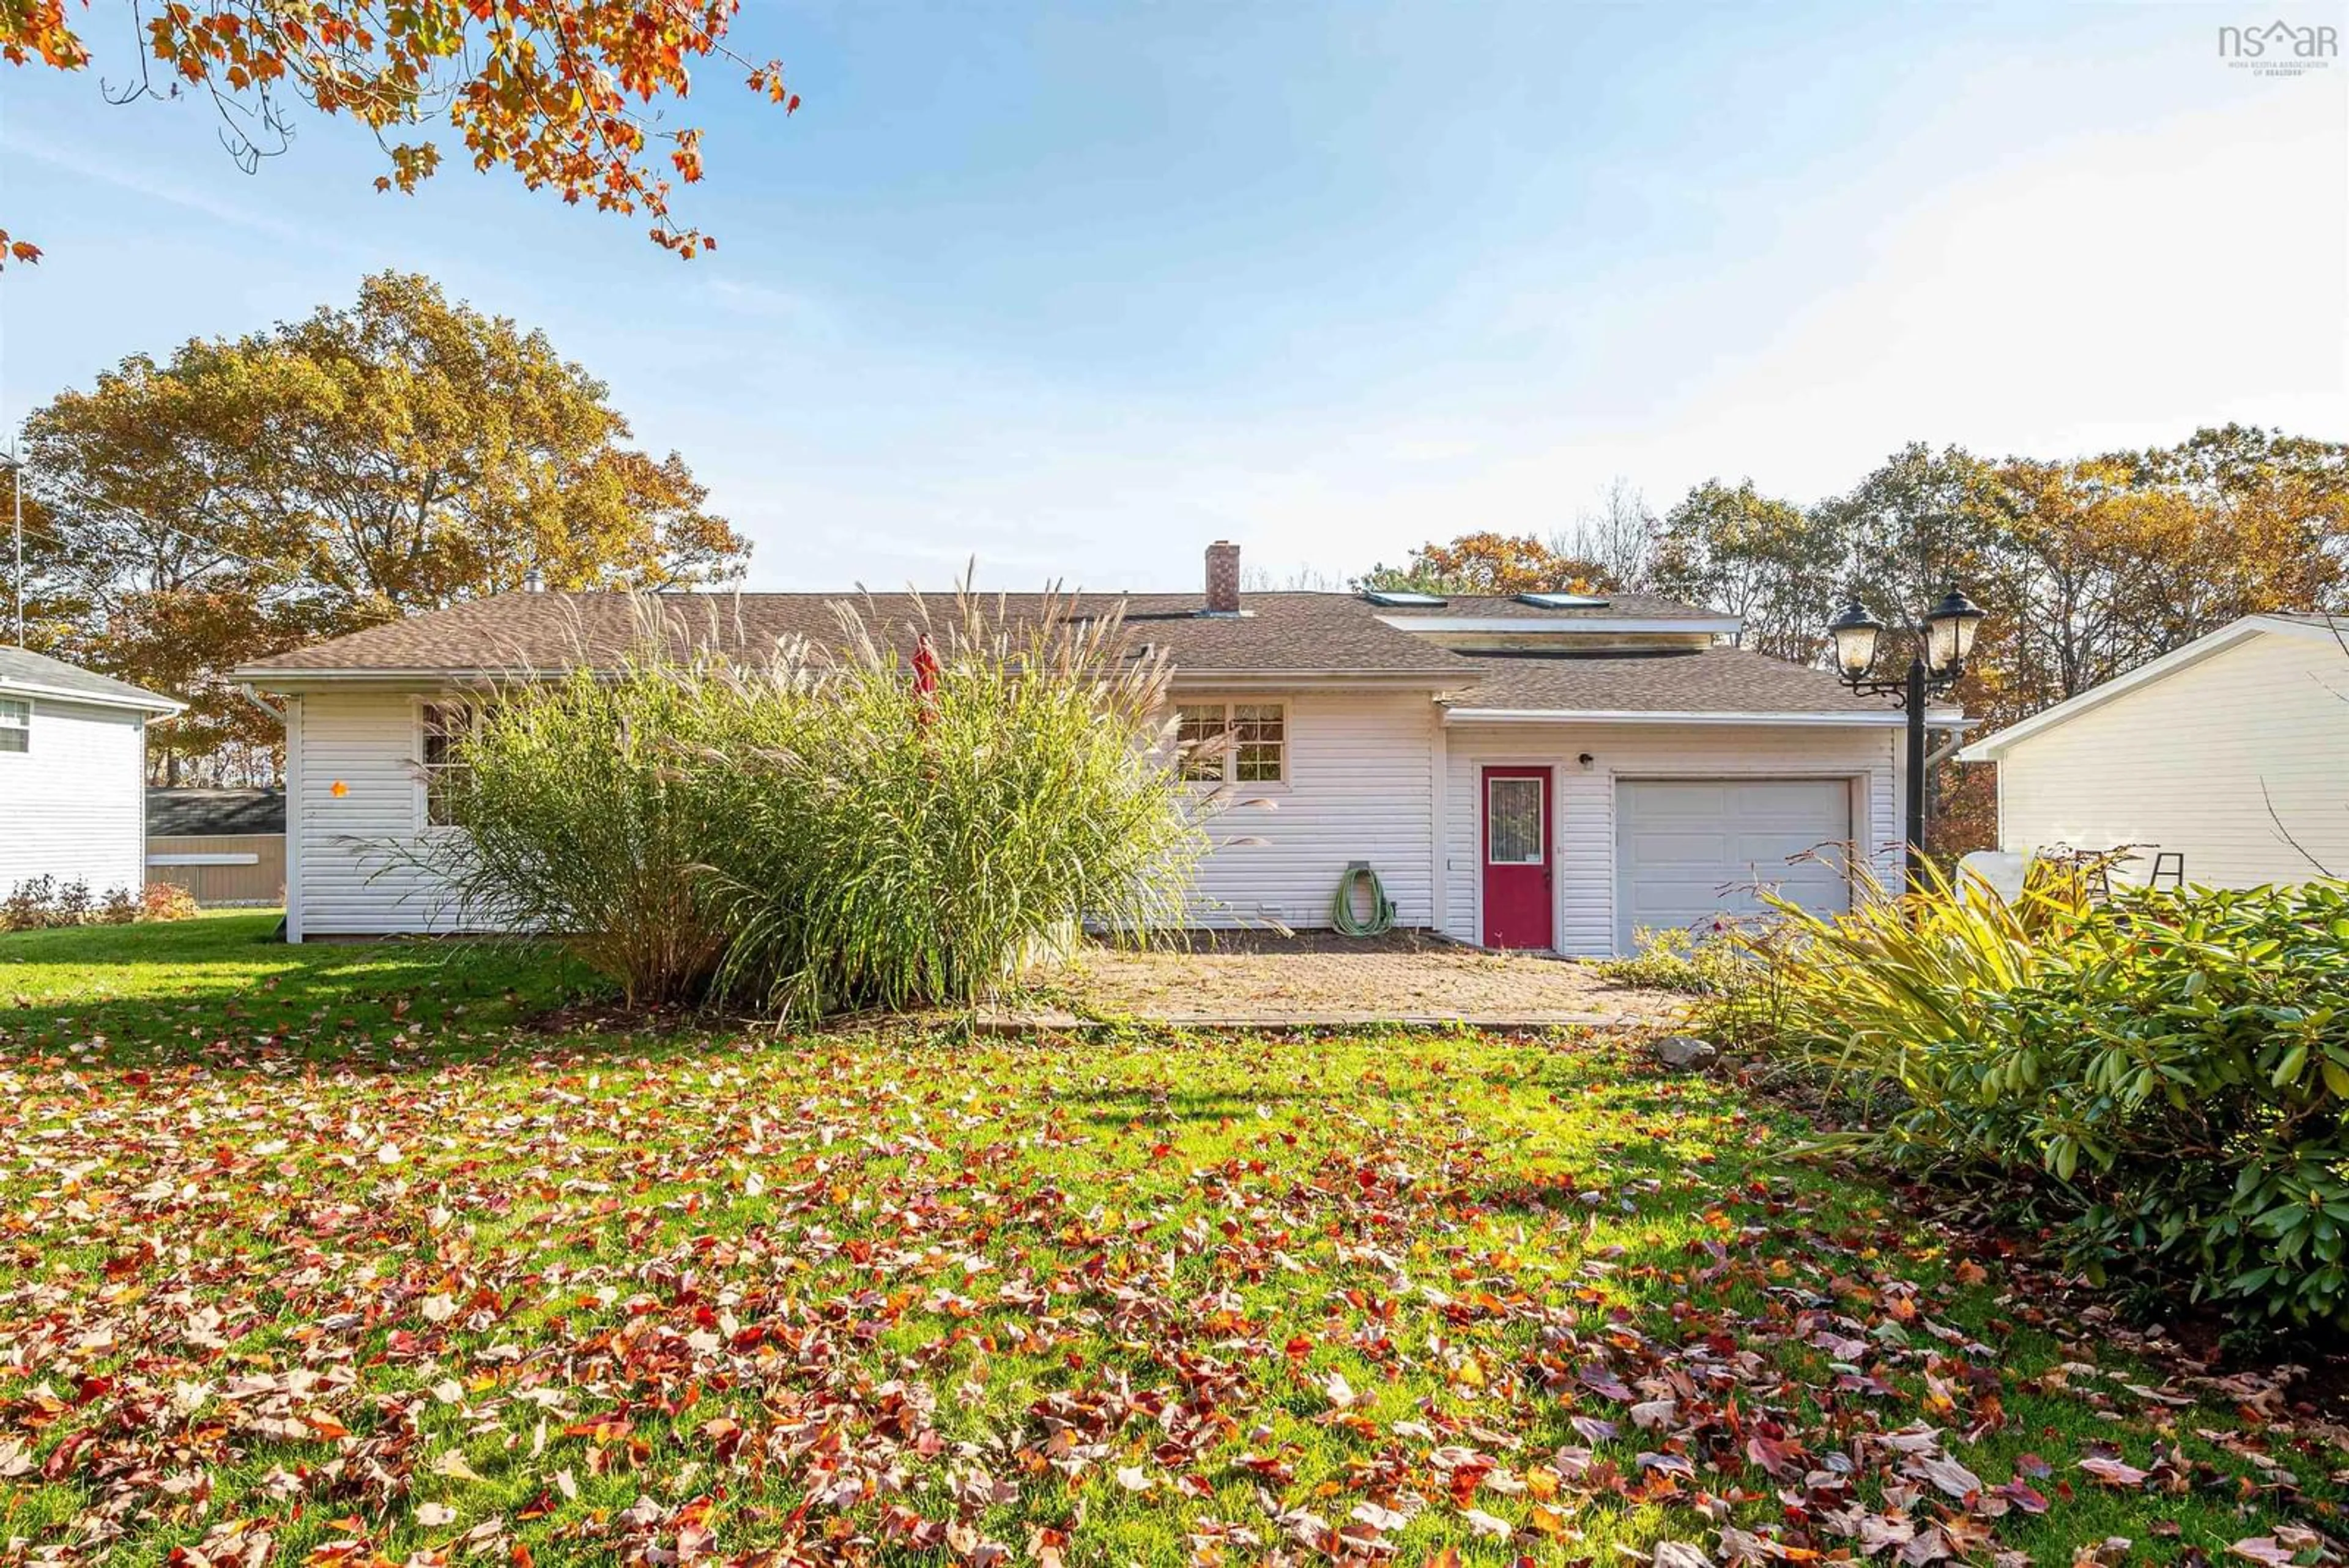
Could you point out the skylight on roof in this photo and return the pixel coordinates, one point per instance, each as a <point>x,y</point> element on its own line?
<point>1396,598</point>
<point>1562,601</point>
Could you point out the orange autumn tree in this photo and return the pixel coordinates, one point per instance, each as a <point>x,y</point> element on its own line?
<point>399,454</point>
<point>1491,563</point>
<point>554,89</point>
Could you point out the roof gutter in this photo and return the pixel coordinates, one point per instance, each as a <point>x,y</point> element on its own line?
<point>163,707</point>
<point>1877,720</point>
<point>1185,676</point>
<point>1717,625</point>
<point>1373,679</point>
<point>262,676</point>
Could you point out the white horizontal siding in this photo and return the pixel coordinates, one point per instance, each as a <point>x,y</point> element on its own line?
<point>1359,788</point>
<point>1583,811</point>
<point>354,866</point>
<point>73,804</point>
<point>2193,762</point>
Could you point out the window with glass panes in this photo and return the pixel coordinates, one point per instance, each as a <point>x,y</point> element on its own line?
<point>1236,742</point>
<point>1259,737</point>
<point>1201,738</point>
<point>1513,821</point>
<point>443,727</point>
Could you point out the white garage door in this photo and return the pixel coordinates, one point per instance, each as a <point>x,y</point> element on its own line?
<point>1687,850</point>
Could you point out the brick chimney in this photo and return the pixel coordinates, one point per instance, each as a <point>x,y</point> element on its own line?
<point>1222,578</point>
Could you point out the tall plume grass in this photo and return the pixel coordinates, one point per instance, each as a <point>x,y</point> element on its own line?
<point>808,834</point>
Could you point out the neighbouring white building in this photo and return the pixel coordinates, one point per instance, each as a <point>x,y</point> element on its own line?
<point>1545,770</point>
<point>73,774</point>
<point>2231,754</point>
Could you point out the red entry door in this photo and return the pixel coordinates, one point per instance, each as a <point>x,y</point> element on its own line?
<point>1517,857</point>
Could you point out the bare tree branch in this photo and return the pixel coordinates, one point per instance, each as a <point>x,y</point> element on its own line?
<point>2285,834</point>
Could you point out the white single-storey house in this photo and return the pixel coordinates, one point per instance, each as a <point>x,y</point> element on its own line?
<point>2225,761</point>
<point>1543,771</point>
<point>73,774</point>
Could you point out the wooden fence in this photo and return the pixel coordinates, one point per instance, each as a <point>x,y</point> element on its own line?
<point>221,868</point>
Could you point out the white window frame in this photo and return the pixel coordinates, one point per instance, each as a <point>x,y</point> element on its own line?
<point>1228,758</point>
<point>16,719</point>
<point>421,709</point>
<point>1541,783</point>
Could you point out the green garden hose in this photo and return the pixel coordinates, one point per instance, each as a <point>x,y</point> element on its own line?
<point>1342,908</point>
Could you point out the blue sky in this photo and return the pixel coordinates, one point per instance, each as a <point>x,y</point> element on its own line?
<point>1076,289</point>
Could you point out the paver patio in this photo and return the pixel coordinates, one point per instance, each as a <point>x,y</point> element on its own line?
<point>1320,978</point>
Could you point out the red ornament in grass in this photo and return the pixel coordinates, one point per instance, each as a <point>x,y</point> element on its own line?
<point>926,679</point>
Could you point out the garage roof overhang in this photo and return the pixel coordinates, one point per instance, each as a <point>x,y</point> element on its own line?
<point>1562,627</point>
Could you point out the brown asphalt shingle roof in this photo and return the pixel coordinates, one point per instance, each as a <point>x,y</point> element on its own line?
<point>23,672</point>
<point>207,811</point>
<point>1698,681</point>
<point>1282,633</point>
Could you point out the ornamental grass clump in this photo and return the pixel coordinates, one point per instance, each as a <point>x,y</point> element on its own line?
<point>578,811</point>
<point>922,842</point>
<point>2164,1077</point>
<point>840,826</point>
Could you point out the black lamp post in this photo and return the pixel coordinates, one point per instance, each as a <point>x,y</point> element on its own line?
<point>1944,639</point>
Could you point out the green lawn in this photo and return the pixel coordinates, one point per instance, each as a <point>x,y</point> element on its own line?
<point>327,1244</point>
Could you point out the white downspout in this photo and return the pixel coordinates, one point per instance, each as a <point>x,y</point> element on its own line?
<point>245,690</point>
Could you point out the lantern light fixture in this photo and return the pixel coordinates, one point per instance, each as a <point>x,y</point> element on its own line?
<point>1943,641</point>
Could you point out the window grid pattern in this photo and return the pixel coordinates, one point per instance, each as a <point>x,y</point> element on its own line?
<point>1260,736</point>
<point>1199,734</point>
<point>1237,742</point>
<point>15,724</point>
<point>445,727</point>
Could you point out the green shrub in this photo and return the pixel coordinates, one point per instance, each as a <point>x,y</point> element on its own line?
<point>814,834</point>
<point>587,810</point>
<point>2167,1075</point>
<point>904,849</point>
<point>1867,992</point>
<point>1677,959</point>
